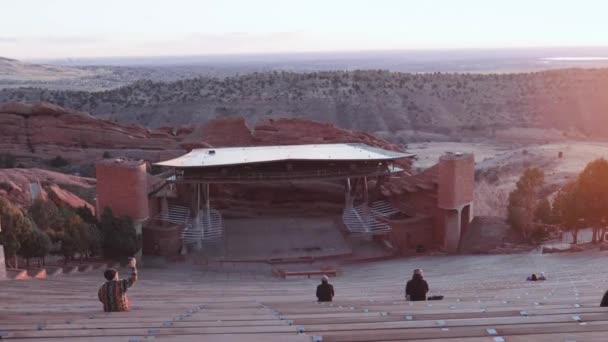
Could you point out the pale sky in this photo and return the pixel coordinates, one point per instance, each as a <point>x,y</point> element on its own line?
<point>31,29</point>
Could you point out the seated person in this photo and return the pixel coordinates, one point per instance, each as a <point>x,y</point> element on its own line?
<point>325,291</point>
<point>535,277</point>
<point>113,293</point>
<point>416,288</point>
<point>604,302</point>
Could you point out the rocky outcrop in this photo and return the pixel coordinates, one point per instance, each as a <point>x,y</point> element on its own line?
<point>43,130</point>
<point>45,123</point>
<point>65,197</point>
<point>300,131</point>
<point>234,131</point>
<point>22,186</point>
<point>224,132</point>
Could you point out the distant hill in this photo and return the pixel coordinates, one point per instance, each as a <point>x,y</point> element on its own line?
<point>15,74</point>
<point>14,70</point>
<point>572,100</point>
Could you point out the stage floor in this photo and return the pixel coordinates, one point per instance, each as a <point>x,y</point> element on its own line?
<point>283,237</point>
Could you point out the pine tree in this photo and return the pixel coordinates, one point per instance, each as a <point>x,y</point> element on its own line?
<point>523,201</point>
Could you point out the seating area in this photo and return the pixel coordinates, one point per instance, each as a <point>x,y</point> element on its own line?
<point>486,299</point>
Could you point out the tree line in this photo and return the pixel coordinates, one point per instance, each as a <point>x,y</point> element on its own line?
<point>581,203</point>
<point>46,229</point>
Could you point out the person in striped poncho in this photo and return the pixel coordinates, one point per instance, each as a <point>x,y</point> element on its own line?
<point>113,293</point>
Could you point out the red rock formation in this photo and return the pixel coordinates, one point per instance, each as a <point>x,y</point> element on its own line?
<point>64,197</point>
<point>17,185</point>
<point>43,130</point>
<point>45,123</point>
<point>300,131</point>
<point>224,132</point>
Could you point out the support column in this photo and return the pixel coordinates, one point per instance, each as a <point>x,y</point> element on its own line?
<point>207,205</point>
<point>164,206</point>
<point>2,264</point>
<point>138,225</point>
<point>452,230</point>
<point>367,211</point>
<point>365,191</point>
<point>197,215</point>
<point>348,196</point>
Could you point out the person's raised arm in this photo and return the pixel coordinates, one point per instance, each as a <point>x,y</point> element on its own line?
<point>133,278</point>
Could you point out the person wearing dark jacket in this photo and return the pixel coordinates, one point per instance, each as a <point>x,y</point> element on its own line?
<point>325,291</point>
<point>604,302</point>
<point>416,288</point>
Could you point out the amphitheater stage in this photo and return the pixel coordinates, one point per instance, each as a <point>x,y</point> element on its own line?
<point>283,238</point>
<point>486,300</point>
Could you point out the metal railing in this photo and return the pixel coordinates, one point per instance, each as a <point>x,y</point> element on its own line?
<point>202,228</point>
<point>177,215</point>
<point>358,222</point>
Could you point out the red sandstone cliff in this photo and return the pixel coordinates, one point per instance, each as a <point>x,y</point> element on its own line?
<point>234,131</point>
<point>43,130</point>
<point>21,186</point>
<point>300,131</point>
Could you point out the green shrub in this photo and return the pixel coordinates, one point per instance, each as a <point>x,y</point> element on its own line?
<point>7,161</point>
<point>119,236</point>
<point>36,245</point>
<point>59,161</point>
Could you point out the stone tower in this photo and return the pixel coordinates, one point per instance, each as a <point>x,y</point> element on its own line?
<point>455,198</point>
<point>122,185</point>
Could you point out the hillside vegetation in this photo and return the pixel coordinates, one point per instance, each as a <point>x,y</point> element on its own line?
<point>572,100</point>
<point>14,70</point>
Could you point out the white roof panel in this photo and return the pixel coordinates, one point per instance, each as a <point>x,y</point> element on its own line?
<point>204,157</point>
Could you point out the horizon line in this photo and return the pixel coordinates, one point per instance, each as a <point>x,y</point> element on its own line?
<point>315,52</point>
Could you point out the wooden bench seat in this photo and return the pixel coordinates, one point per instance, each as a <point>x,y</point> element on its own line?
<point>299,260</point>
<point>284,274</point>
<point>180,338</point>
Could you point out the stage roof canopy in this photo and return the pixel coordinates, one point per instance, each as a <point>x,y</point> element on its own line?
<point>210,157</point>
